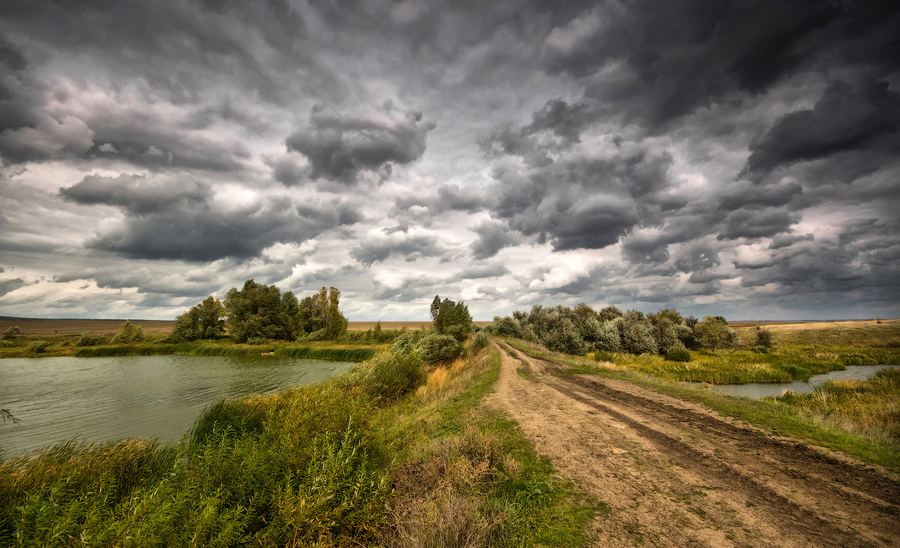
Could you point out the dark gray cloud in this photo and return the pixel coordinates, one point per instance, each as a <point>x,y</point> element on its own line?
<point>660,61</point>
<point>479,272</point>
<point>743,195</point>
<point>340,146</point>
<point>697,258</point>
<point>748,223</point>
<point>583,203</point>
<point>411,247</point>
<point>139,195</point>
<point>11,285</point>
<point>176,219</point>
<point>845,118</point>
<point>492,237</point>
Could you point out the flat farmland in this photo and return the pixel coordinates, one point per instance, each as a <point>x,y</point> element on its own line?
<point>39,328</point>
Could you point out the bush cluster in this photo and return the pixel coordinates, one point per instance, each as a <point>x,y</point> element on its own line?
<point>581,330</point>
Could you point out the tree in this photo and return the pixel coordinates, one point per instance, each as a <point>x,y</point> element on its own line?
<point>452,319</point>
<point>129,333</point>
<point>321,312</point>
<point>714,332</point>
<point>204,321</point>
<point>609,313</point>
<point>259,310</point>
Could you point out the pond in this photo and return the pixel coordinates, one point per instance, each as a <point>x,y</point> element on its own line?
<point>770,389</point>
<point>99,399</point>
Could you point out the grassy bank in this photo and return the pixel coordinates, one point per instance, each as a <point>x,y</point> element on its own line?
<point>800,351</point>
<point>857,418</point>
<point>345,463</point>
<point>322,350</point>
<point>199,349</point>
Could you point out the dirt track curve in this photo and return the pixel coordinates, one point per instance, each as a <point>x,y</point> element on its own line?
<point>676,474</point>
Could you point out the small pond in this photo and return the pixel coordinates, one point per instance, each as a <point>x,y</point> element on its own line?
<point>99,399</point>
<point>770,389</point>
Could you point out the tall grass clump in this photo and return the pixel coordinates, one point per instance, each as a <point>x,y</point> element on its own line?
<point>38,347</point>
<point>870,407</point>
<point>297,468</point>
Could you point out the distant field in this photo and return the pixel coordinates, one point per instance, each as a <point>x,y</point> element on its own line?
<point>38,329</point>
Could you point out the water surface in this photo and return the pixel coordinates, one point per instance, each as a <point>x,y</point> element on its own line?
<point>98,399</point>
<point>773,389</point>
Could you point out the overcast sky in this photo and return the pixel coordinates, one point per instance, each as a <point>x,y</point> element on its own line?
<point>739,158</point>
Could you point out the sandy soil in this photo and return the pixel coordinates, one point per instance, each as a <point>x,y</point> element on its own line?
<point>676,474</point>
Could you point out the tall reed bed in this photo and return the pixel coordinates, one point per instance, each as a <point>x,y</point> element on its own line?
<point>295,469</point>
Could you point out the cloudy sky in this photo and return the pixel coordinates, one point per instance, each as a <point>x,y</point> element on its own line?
<point>721,157</point>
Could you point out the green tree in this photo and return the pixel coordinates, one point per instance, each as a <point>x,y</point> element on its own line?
<point>204,321</point>
<point>714,332</point>
<point>129,333</point>
<point>259,310</point>
<point>453,319</point>
<point>321,312</point>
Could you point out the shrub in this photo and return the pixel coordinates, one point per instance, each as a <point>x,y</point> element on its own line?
<point>38,347</point>
<point>438,348</point>
<point>128,333</point>
<point>637,334</point>
<point>393,374</point>
<point>609,338</point>
<point>507,327</point>
<point>405,343</point>
<point>665,334</point>
<point>481,340</point>
<point>11,332</point>
<point>687,337</point>
<point>87,340</point>
<point>763,337</point>
<point>713,332</point>
<point>566,338</point>
<point>678,354</point>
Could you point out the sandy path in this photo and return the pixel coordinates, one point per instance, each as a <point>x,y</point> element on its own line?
<point>676,474</point>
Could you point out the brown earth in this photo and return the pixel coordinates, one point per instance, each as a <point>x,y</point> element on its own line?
<point>674,473</point>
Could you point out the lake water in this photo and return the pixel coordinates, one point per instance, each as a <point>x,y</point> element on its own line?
<point>99,399</point>
<point>769,389</point>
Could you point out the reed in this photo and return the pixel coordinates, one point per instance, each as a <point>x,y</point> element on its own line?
<point>870,408</point>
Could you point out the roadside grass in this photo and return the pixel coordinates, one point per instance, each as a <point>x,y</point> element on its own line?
<point>332,464</point>
<point>857,418</point>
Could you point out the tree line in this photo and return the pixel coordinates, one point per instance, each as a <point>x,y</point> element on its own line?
<point>262,312</point>
<point>582,329</point>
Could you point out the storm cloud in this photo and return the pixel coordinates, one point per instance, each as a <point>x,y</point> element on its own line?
<point>724,157</point>
<point>340,146</point>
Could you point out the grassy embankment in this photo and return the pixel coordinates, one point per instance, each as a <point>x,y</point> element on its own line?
<point>343,463</point>
<point>801,350</point>
<point>860,418</point>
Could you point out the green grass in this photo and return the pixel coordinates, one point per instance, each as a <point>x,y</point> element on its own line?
<point>227,350</point>
<point>329,464</point>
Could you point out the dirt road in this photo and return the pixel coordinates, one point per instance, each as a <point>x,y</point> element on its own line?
<point>676,474</point>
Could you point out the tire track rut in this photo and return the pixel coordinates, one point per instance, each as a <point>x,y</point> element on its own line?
<point>755,490</point>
